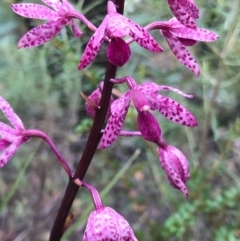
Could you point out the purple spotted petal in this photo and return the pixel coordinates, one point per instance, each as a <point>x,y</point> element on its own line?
<point>10,151</point>
<point>121,105</point>
<point>9,134</point>
<point>191,7</point>
<point>30,10</point>
<point>182,54</point>
<point>143,38</point>
<point>112,130</point>
<point>164,87</point>
<point>119,109</point>
<point>4,144</point>
<point>118,26</point>
<point>10,115</point>
<point>118,52</point>
<point>147,88</point>
<point>93,46</point>
<point>107,224</point>
<point>184,16</point>
<point>42,33</point>
<point>176,167</point>
<point>187,42</point>
<point>198,34</point>
<point>173,111</point>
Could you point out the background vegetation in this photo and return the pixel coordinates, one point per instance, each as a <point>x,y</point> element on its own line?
<point>43,84</point>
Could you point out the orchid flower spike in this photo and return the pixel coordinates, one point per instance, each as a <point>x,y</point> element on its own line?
<point>94,101</point>
<point>114,27</point>
<point>145,97</point>
<point>186,11</point>
<point>179,36</point>
<point>176,167</point>
<point>12,138</point>
<point>60,14</point>
<point>104,223</point>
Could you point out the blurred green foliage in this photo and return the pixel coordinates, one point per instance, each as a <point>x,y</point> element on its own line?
<point>43,84</point>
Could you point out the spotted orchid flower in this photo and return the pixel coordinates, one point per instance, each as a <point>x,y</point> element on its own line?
<point>60,14</point>
<point>104,223</point>
<point>145,97</point>
<point>179,37</point>
<point>114,27</point>
<point>12,138</point>
<point>176,167</point>
<point>186,11</point>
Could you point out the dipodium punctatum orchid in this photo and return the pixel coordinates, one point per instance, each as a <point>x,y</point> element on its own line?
<point>176,167</point>
<point>61,15</point>
<point>104,223</point>
<point>114,27</point>
<point>179,36</point>
<point>145,97</point>
<point>186,11</point>
<point>12,138</point>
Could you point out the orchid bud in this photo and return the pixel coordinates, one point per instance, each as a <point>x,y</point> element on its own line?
<point>104,223</point>
<point>176,167</point>
<point>93,101</point>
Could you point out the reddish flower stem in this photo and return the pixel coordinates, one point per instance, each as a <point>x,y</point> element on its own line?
<point>90,148</point>
<point>38,133</point>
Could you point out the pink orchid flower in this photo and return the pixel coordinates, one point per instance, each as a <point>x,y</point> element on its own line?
<point>104,223</point>
<point>114,27</point>
<point>176,167</point>
<point>12,138</point>
<point>186,11</point>
<point>145,97</point>
<point>60,14</point>
<point>179,36</point>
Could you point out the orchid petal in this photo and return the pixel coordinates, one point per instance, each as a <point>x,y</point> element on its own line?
<point>118,52</point>
<point>182,54</point>
<point>10,151</point>
<point>42,33</point>
<point>198,34</point>
<point>143,38</point>
<point>119,109</point>
<point>118,25</point>
<point>4,144</point>
<point>8,134</point>
<point>93,46</point>
<point>182,14</point>
<point>147,88</point>
<point>173,111</point>
<point>11,115</point>
<point>164,87</point>
<point>112,130</point>
<point>30,10</point>
<point>191,7</point>
<point>121,105</point>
